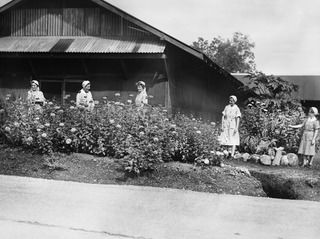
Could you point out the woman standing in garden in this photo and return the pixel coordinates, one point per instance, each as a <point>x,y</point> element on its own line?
<point>142,96</point>
<point>84,97</point>
<point>35,96</point>
<point>310,127</point>
<point>230,125</point>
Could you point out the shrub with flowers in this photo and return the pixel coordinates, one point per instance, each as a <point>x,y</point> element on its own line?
<point>115,128</point>
<point>271,108</point>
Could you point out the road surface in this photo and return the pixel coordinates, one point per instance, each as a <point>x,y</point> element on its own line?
<point>44,209</point>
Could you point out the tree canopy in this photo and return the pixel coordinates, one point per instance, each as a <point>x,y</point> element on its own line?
<point>234,55</point>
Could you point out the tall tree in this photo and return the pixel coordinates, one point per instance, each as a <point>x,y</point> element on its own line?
<point>234,55</point>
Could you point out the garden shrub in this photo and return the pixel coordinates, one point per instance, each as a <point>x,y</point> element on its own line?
<point>141,138</point>
<point>271,106</point>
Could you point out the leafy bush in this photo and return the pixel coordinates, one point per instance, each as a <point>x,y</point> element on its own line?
<point>116,129</point>
<point>271,108</point>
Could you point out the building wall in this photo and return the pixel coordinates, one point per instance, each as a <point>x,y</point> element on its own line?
<point>107,77</point>
<point>198,89</point>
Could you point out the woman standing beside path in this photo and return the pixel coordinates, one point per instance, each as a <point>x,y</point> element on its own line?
<point>230,125</point>
<point>311,127</point>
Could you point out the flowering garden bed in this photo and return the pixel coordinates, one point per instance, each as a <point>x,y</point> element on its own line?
<point>140,138</point>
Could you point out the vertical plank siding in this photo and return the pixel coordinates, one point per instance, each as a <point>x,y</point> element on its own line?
<point>66,22</point>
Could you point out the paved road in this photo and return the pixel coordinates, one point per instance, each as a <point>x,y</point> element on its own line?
<point>36,208</point>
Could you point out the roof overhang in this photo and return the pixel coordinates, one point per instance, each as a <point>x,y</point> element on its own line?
<point>82,45</point>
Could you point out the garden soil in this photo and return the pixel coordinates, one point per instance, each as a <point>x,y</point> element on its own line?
<point>99,170</point>
<point>287,182</point>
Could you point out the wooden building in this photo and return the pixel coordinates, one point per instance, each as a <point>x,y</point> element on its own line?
<point>63,42</point>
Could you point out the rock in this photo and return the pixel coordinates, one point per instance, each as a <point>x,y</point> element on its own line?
<point>255,158</point>
<point>277,159</point>
<point>266,160</point>
<point>293,159</point>
<point>238,156</point>
<point>272,153</point>
<point>284,160</point>
<point>245,157</point>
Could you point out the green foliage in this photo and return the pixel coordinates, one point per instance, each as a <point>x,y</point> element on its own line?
<point>141,138</point>
<point>271,108</point>
<point>234,55</point>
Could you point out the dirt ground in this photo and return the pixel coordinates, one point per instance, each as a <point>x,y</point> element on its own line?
<point>98,170</point>
<point>287,182</point>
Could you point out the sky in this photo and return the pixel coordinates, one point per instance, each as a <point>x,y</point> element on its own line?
<point>286,32</point>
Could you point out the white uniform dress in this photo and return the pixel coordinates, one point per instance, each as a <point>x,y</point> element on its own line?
<point>85,100</point>
<point>36,98</point>
<point>142,99</point>
<point>228,137</point>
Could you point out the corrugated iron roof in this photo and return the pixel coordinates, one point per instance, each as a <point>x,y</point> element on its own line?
<point>80,45</point>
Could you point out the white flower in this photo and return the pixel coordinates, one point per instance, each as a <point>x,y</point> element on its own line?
<point>129,101</point>
<point>212,152</point>
<point>198,132</point>
<point>206,161</point>
<point>44,135</point>
<point>213,124</point>
<point>195,128</point>
<point>111,121</point>
<point>249,105</point>
<point>142,133</point>
<point>52,114</point>
<point>117,94</point>
<point>29,139</point>
<point>118,126</point>
<point>131,95</point>
<point>226,152</point>
<point>156,127</point>
<point>16,124</point>
<point>96,102</point>
<point>47,124</point>
<point>38,130</point>
<point>104,98</point>
<point>265,110</point>
<point>165,111</point>
<point>7,129</point>
<point>155,139</point>
<point>174,132</point>
<point>73,130</point>
<point>57,107</point>
<point>218,153</point>
<point>60,111</point>
<point>173,126</point>
<point>193,119</point>
<point>37,118</point>
<point>72,107</point>
<point>61,124</point>
<point>117,103</point>
<point>68,141</point>
<point>50,103</point>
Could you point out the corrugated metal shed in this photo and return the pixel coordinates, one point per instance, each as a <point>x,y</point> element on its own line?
<point>79,45</point>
